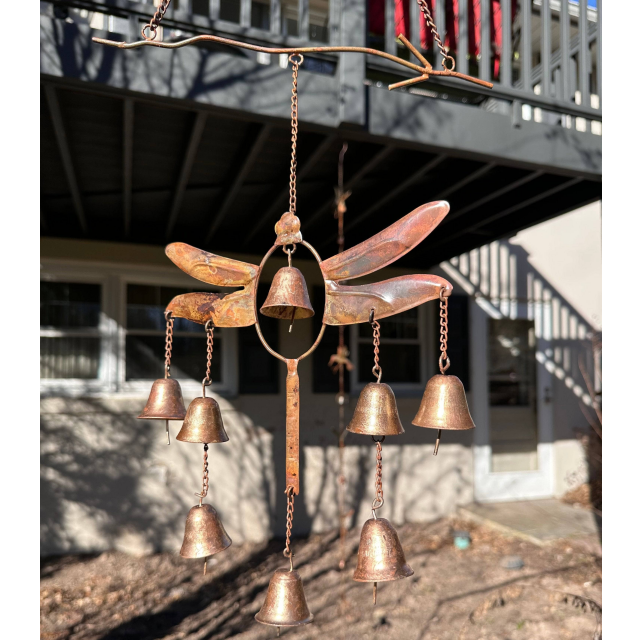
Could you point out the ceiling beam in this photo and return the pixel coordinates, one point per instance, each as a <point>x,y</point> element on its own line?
<point>517,207</point>
<point>127,162</point>
<point>492,196</point>
<point>369,166</point>
<point>390,195</point>
<point>65,153</point>
<point>280,202</point>
<point>465,181</point>
<point>185,170</point>
<point>235,186</point>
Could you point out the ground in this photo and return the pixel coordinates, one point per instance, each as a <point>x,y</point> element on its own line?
<point>453,594</point>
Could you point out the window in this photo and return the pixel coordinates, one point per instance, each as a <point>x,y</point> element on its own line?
<point>145,338</point>
<point>70,330</point>
<point>261,14</point>
<point>102,330</point>
<point>403,352</point>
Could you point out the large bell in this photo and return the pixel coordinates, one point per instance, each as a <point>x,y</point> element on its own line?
<point>380,555</point>
<point>376,412</point>
<point>285,604</point>
<point>444,405</point>
<point>165,401</point>
<point>204,534</point>
<point>288,297</point>
<point>203,423</point>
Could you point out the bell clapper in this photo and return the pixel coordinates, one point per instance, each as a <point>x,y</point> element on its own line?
<point>293,317</point>
<point>375,593</point>
<point>204,572</point>
<point>435,449</point>
<point>167,427</point>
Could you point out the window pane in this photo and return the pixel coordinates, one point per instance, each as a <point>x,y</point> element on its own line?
<point>145,358</point>
<point>289,17</point>
<point>230,10</point>
<point>146,305</point>
<point>512,363</point>
<point>65,305</point>
<point>399,362</point>
<point>69,358</point>
<point>200,7</point>
<point>402,326</point>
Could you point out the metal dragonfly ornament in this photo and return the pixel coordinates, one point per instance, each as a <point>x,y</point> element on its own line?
<point>444,406</point>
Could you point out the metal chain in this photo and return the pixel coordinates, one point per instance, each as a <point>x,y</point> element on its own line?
<point>377,369</point>
<point>444,361</point>
<point>378,501</point>
<point>434,30</point>
<point>154,23</point>
<point>205,475</point>
<point>168,344</point>
<point>208,327</point>
<point>287,553</point>
<point>294,130</point>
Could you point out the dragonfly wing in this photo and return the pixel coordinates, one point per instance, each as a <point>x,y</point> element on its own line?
<point>226,310</point>
<point>350,305</point>
<point>210,268</point>
<point>388,245</point>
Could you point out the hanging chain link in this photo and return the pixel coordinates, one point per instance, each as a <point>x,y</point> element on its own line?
<point>168,344</point>
<point>205,475</point>
<point>424,7</point>
<point>377,369</point>
<point>295,63</point>
<point>287,553</point>
<point>154,23</point>
<point>378,501</point>
<point>444,361</point>
<point>208,327</point>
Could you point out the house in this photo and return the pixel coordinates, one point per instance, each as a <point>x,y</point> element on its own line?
<point>145,147</point>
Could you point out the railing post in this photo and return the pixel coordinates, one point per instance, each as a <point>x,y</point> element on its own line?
<point>526,45</point>
<point>303,19</point>
<point>415,12</point>
<point>245,13</point>
<point>214,10</point>
<point>462,64</point>
<point>390,26</point>
<point>275,17</point>
<point>352,67</point>
<point>545,47</point>
<point>506,53</point>
<point>485,40</point>
<point>584,59</point>
<point>564,50</point>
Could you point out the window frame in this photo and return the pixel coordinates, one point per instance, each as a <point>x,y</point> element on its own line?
<point>114,278</point>
<point>426,337</point>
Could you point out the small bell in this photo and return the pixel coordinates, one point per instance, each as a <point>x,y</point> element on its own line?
<point>203,423</point>
<point>444,406</point>
<point>285,604</point>
<point>165,401</point>
<point>204,534</point>
<point>376,412</point>
<point>380,554</point>
<point>288,297</point>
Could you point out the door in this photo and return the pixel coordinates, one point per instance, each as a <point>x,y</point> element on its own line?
<point>513,450</point>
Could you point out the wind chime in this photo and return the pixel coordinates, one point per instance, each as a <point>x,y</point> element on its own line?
<point>443,406</point>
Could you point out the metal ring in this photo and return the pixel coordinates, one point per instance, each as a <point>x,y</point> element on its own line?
<point>371,315</point>
<point>441,294</point>
<point>377,371</point>
<point>444,367</point>
<point>289,252</point>
<point>292,61</point>
<point>444,64</point>
<point>168,314</point>
<point>152,30</point>
<point>208,325</point>
<point>380,441</point>
<point>375,502</point>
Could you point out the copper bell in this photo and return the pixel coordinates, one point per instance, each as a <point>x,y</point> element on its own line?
<point>204,534</point>
<point>203,423</point>
<point>165,401</point>
<point>376,413</point>
<point>444,406</point>
<point>285,604</point>
<point>380,554</point>
<point>288,297</point>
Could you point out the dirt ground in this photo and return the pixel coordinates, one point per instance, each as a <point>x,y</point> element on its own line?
<point>453,594</point>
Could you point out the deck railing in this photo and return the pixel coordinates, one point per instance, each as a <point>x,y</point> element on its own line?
<point>549,51</point>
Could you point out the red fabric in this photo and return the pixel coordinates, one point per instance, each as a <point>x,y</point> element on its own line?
<point>376,17</point>
<point>403,18</point>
